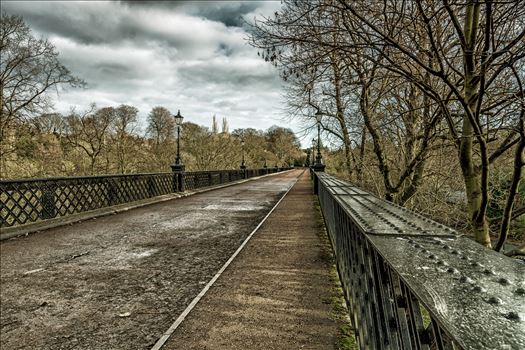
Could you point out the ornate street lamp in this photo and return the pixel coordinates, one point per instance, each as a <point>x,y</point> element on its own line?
<point>178,122</point>
<point>265,165</point>
<point>178,167</point>
<point>319,166</point>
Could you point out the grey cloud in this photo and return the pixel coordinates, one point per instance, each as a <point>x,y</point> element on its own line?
<point>228,74</point>
<point>223,104</point>
<point>114,69</point>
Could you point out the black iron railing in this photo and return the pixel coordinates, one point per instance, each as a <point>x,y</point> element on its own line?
<point>412,283</point>
<point>29,200</point>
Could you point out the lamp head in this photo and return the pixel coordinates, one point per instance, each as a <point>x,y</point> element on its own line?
<point>178,118</point>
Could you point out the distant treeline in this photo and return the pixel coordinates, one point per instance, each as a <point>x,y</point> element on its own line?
<point>108,140</point>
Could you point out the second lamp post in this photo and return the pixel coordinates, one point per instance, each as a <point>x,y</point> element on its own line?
<point>319,166</point>
<point>244,174</point>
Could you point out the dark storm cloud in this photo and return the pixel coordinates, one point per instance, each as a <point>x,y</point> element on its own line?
<point>105,23</point>
<point>228,12</point>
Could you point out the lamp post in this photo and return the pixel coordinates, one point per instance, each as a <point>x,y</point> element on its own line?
<point>178,167</point>
<point>265,165</point>
<point>178,122</point>
<point>314,142</point>
<point>319,166</point>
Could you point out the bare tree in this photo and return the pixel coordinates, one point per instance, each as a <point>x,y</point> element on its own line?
<point>161,125</point>
<point>443,64</point>
<point>327,71</point>
<point>29,69</point>
<point>88,131</point>
<point>472,47</point>
<point>124,141</point>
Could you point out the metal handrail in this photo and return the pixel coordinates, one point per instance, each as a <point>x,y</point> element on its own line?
<point>57,178</point>
<point>412,283</point>
<point>25,201</point>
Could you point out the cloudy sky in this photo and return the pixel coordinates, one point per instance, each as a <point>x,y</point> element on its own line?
<point>187,55</point>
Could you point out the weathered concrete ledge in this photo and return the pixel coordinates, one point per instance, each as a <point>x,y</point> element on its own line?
<point>21,230</point>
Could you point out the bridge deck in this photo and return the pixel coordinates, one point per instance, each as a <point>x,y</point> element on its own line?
<point>119,282</point>
<point>275,294</point>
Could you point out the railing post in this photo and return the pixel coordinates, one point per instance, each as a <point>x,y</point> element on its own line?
<point>318,167</point>
<point>48,202</point>
<point>178,177</point>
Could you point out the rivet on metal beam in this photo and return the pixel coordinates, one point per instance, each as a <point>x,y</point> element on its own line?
<point>513,316</point>
<point>465,279</point>
<point>478,289</point>
<point>503,281</point>
<point>494,301</point>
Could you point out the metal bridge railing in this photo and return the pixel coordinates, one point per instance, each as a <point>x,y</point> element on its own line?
<point>29,200</point>
<point>412,283</point>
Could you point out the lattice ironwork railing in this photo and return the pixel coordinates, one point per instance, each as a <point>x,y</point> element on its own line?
<point>24,201</point>
<point>29,200</point>
<point>198,179</point>
<point>412,283</point>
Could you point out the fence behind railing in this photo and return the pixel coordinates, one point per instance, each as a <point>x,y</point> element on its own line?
<point>411,283</point>
<point>29,200</point>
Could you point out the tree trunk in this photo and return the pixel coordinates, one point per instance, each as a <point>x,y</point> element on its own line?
<point>362,149</point>
<point>516,178</point>
<point>471,173</point>
<point>340,114</point>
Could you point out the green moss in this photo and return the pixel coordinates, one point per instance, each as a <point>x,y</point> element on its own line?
<point>346,341</point>
<point>346,337</point>
<point>425,316</point>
